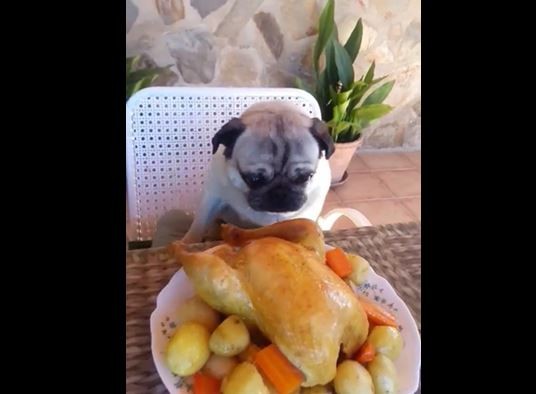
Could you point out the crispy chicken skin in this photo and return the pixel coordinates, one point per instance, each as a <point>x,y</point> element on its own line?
<point>278,281</point>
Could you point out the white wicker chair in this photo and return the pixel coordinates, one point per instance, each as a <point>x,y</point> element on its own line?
<point>169,132</point>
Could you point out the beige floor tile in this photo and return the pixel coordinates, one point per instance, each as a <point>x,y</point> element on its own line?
<point>386,161</point>
<point>414,205</point>
<point>332,197</point>
<point>382,211</point>
<point>363,186</point>
<point>414,157</point>
<point>357,165</point>
<point>402,183</point>
<point>329,206</point>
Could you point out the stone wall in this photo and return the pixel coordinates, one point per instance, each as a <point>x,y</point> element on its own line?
<point>268,43</point>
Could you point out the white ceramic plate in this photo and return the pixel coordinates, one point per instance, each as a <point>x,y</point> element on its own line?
<point>376,288</point>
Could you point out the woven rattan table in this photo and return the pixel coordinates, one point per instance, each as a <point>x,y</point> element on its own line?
<point>394,251</point>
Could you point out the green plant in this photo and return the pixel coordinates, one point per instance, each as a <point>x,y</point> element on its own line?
<point>344,102</point>
<point>139,78</point>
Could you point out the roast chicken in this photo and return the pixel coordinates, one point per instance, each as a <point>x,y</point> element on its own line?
<point>276,278</point>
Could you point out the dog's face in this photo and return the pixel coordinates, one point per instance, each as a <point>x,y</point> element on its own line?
<point>272,152</point>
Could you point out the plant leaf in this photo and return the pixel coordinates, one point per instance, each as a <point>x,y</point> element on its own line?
<point>353,44</point>
<point>141,78</point>
<point>352,124</point>
<point>337,113</point>
<point>360,88</point>
<point>143,73</point>
<point>129,63</point>
<point>322,91</point>
<point>337,128</point>
<point>371,112</point>
<point>342,107</point>
<point>354,116</point>
<point>358,85</point>
<point>325,30</point>
<point>342,97</point>
<point>332,95</point>
<point>345,69</point>
<point>370,73</point>
<point>351,133</point>
<point>331,123</point>
<point>380,94</point>
<point>343,125</point>
<point>375,81</point>
<point>135,87</point>
<point>331,66</point>
<point>132,62</point>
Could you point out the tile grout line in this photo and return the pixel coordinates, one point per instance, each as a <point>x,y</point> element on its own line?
<point>385,184</point>
<point>409,210</point>
<point>388,188</point>
<point>401,204</point>
<point>379,199</point>
<point>369,172</point>
<point>397,169</point>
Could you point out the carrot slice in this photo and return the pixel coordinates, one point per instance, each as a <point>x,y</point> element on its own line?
<point>377,315</point>
<point>337,260</point>
<point>275,367</point>
<point>366,353</point>
<point>206,384</point>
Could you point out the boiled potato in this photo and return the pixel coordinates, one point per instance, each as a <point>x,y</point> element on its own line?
<point>230,337</point>
<point>360,268</point>
<point>316,390</point>
<point>188,351</point>
<point>244,379</point>
<point>196,310</point>
<point>219,366</point>
<point>352,378</point>
<point>271,388</point>
<point>387,341</point>
<point>383,373</point>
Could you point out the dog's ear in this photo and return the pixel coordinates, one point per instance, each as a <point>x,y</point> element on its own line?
<point>227,136</point>
<point>320,131</point>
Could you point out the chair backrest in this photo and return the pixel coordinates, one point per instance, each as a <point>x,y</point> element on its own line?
<point>169,133</point>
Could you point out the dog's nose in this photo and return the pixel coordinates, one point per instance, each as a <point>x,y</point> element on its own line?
<point>284,200</point>
<point>278,193</point>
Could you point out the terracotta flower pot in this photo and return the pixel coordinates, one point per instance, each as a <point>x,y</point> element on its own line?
<point>340,160</point>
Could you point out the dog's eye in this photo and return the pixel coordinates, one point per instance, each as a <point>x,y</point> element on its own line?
<point>255,180</point>
<point>303,178</point>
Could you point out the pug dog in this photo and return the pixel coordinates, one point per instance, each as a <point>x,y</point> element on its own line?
<point>269,165</point>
